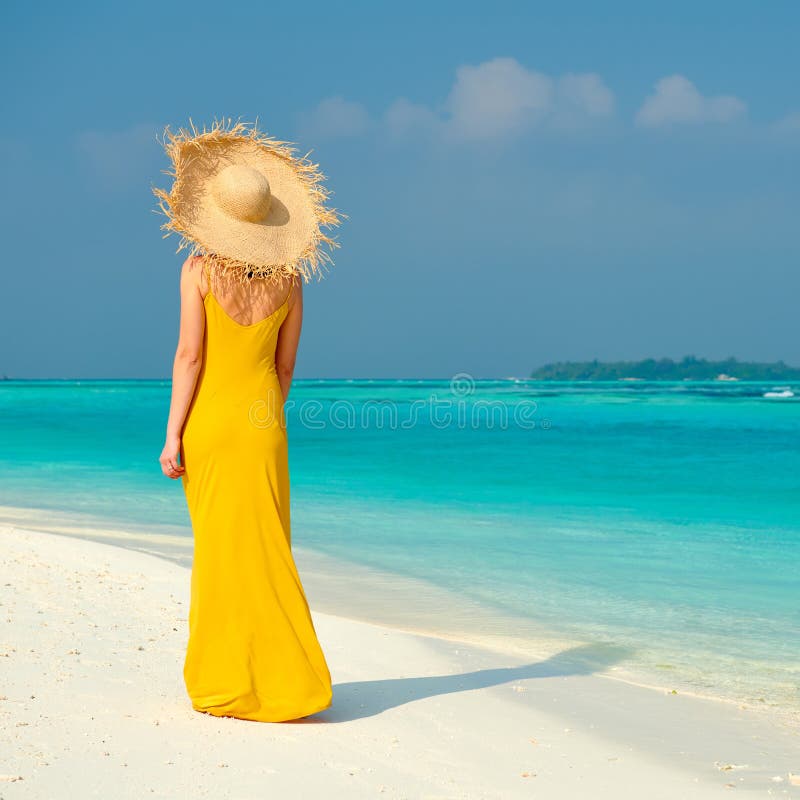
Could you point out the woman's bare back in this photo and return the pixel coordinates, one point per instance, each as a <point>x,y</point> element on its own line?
<point>246,303</point>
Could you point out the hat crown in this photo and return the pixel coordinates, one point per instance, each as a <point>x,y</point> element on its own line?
<point>242,192</point>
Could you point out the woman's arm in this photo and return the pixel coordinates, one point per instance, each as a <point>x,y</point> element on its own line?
<point>186,366</point>
<point>289,338</point>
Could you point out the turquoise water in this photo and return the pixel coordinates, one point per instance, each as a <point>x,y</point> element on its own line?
<point>661,517</point>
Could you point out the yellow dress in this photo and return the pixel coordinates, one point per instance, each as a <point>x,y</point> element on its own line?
<point>253,652</point>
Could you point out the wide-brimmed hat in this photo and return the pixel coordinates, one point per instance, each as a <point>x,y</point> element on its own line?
<point>246,202</point>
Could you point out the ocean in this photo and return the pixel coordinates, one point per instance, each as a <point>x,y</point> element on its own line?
<point>661,520</point>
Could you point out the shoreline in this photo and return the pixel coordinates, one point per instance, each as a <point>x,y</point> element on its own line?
<point>93,642</point>
<point>413,598</point>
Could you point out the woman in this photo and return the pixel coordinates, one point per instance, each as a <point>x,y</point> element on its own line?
<point>253,212</point>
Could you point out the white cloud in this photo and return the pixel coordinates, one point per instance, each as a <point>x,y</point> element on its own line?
<point>580,99</point>
<point>118,158</point>
<point>586,93</point>
<point>334,117</point>
<point>496,99</point>
<point>501,99</point>
<point>677,100</point>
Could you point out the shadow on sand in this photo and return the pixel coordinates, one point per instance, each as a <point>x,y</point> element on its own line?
<point>361,699</point>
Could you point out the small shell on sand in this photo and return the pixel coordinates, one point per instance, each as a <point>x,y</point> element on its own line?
<point>725,767</point>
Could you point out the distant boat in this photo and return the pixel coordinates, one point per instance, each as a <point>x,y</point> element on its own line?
<point>779,391</point>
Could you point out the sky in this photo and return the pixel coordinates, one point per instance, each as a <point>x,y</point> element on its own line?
<point>524,182</point>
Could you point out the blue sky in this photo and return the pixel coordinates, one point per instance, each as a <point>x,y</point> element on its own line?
<point>525,182</point>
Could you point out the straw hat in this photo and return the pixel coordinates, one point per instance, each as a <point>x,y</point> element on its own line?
<point>246,202</point>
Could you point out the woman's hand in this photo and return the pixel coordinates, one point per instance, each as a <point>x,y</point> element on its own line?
<point>169,458</point>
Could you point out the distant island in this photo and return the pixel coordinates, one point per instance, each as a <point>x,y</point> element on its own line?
<point>665,369</point>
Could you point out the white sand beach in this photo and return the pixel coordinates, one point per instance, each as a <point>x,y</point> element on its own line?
<point>92,704</point>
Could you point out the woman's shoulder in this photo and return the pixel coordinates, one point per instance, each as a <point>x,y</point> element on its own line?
<point>192,270</point>
<point>192,264</point>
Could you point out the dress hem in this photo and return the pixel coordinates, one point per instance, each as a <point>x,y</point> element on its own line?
<point>254,718</point>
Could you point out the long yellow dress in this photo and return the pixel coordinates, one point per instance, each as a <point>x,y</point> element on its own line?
<point>253,652</point>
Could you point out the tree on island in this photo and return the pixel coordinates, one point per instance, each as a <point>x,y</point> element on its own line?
<point>665,369</point>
